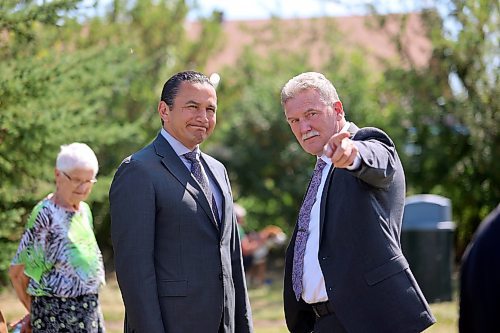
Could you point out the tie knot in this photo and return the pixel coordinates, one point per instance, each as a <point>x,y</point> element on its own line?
<point>192,156</point>
<point>320,165</point>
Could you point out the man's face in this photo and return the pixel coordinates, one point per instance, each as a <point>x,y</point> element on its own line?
<point>192,118</point>
<point>312,122</point>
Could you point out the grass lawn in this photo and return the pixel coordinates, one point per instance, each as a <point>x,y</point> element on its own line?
<point>266,304</point>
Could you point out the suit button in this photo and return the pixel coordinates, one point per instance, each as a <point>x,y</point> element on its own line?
<point>220,276</point>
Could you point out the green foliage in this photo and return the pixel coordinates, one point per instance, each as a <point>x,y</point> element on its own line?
<point>94,80</point>
<point>268,168</point>
<point>47,101</point>
<point>97,79</point>
<point>450,112</point>
<point>259,149</point>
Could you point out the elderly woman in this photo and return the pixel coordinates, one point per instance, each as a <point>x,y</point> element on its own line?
<point>58,268</point>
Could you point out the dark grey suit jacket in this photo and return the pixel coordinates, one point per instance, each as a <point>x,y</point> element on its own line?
<point>176,270</point>
<point>367,278</point>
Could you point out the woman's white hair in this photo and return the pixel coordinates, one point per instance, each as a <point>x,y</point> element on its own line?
<point>77,156</point>
<point>310,80</point>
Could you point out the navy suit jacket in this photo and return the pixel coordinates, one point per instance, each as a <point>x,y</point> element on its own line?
<point>367,278</point>
<point>177,271</point>
<point>480,279</point>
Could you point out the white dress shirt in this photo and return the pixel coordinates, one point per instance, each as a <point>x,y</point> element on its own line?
<point>180,150</point>
<point>313,282</point>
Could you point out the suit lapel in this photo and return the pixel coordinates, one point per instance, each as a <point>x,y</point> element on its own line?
<point>178,169</point>
<point>326,190</point>
<point>324,198</point>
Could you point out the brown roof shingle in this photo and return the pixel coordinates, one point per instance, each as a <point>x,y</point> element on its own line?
<point>348,33</point>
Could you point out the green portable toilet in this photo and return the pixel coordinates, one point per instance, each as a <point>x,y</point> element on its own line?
<point>427,240</point>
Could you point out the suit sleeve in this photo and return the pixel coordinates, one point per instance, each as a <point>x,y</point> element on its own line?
<point>132,203</point>
<point>242,312</point>
<point>378,157</point>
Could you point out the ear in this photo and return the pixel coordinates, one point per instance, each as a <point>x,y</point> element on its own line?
<point>339,109</point>
<point>163,111</point>
<point>57,173</point>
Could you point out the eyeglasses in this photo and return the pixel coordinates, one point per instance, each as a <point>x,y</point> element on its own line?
<point>78,182</point>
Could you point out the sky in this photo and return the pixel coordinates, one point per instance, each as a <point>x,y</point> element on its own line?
<point>262,9</point>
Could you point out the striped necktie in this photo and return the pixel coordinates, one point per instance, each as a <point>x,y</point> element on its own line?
<point>201,177</point>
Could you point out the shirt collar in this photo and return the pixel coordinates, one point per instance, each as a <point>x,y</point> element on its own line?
<point>177,146</point>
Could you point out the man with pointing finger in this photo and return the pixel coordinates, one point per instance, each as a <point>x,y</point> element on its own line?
<point>345,271</point>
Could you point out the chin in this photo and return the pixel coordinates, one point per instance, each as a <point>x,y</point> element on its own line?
<point>81,197</point>
<point>313,150</point>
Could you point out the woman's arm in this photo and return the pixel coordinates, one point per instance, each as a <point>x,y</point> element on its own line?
<point>20,282</point>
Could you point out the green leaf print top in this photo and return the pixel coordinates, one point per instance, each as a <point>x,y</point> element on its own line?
<point>59,252</point>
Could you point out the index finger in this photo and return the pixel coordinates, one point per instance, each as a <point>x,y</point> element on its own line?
<point>338,137</point>
<point>334,142</point>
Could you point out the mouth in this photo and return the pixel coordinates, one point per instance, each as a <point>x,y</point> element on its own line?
<point>309,135</point>
<point>199,127</point>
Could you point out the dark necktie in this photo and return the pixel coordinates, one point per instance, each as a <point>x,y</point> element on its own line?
<point>202,179</point>
<point>303,228</point>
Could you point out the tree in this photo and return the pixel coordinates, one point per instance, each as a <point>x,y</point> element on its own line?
<point>51,93</point>
<point>450,111</point>
<point>269,170</point>
<point>96,79</point>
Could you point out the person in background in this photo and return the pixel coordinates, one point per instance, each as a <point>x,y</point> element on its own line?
<point>177,250</point>
<point>480,279</point>
<point>58,268</point>
<point>344,269</point>
<point>248,244</point>
<point>3,323</point>
<point>255,247</point>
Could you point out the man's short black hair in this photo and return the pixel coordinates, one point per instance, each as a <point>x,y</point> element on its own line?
<point>171,87</point>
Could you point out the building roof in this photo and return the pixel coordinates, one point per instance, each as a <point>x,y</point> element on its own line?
<point>323,37</point>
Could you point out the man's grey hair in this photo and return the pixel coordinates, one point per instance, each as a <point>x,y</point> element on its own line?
<point>77,156</point>
<point>310,80</point>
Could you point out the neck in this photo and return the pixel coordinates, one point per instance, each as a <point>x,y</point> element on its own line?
<point>343,122</point>
<point>64,203</point>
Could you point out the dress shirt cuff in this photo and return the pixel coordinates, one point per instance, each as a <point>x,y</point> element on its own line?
<point>356,163</point>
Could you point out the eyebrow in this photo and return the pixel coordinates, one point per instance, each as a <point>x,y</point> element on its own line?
<point>311,109</point>
<point>305,112</point>
<point>191,102</point>
<point>198,103</point>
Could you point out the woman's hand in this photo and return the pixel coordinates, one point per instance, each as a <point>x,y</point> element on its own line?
<point>20,283</point>
<point>25,324</point>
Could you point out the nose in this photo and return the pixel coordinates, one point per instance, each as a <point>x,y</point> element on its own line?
<point>83,185</point>
<point>304,126</point>
<point>202,114</point>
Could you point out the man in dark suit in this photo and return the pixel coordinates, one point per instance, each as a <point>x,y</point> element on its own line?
<point>175,238</point>
<point>345,271</point>
<point>480,279</point>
